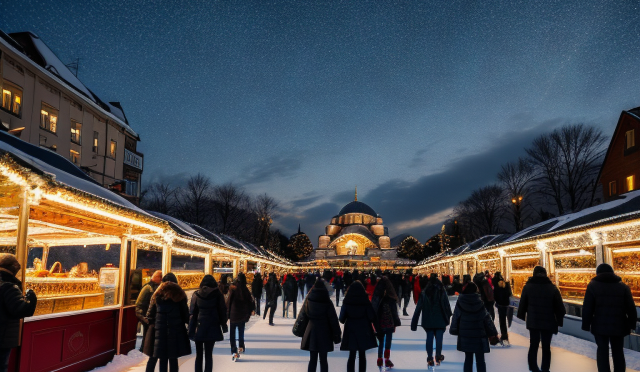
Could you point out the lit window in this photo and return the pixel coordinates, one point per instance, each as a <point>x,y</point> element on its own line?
<point>95,142</point>
<point>613,188</point>
<point>631,183</point>
<point>48,118</point>
<point>6,99</point>
<point>630,138</point>
<point>76,132</point>
<point>12,99</point>
<point>113,148</point>
<point>74,156</point>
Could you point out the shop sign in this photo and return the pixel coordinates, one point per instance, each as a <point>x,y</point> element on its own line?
<point>132,159</point>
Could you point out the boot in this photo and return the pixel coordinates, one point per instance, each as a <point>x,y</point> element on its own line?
<point>439,359</point>
<point>404,312</point>
<point>380,362</point>
<point>387,361</point>
<point>430,362</point>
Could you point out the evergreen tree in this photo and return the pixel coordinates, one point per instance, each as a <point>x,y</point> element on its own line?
<point>411,248</point>
<point>299,247</point>
<point>278,243</point>
<point>432,246</point>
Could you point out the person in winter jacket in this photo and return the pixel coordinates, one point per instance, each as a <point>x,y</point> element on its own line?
<point>323,329</point>
<point>142,303</point>
<point>609,313</point>
<point>434,306</point>
<point>13,307</point>
<point>240,306</point>
<point>256,291</point>
<point>273,290</point>
<point>502,295</point>
<point>300,282</point>
<point>309,280</point>
<point>207,322</point>
<point>358,318</point>
<point>385,305</point>
<point>473,325</point>
<point>168,313</point>
<point>338,284</point>
<point>405,284</point>
<point>542,308</point>
<point>456,286</point>
<point>370,285</point>
<point>466,279</point>
<point>290,296</point>
<point>486,293</point>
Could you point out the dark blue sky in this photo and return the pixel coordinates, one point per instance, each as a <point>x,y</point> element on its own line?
<point>416,102</point>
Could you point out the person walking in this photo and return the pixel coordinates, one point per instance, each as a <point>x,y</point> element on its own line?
<point>300,281</point>
<point>13,307</point>
<point>338,284</point>
<point>434,306</point>
<point>609,313</point>
<point>207,321</point>
<point>256,291</point>
<point>168,313</point>
<point>385,305</point>
<point>358,318</point>
<point>472,324</point>
<point>542,308</point>
<point>370,285</point>
<point>486,293</point>
<point>502,295</point>
<point>290,296</point>
<point>240,306</point>
<point>273,290</point>
<point>142,303</point>
<point>309,280</point>
<point>323,329</point>
<point>406,293</point>
<point>416,289</point>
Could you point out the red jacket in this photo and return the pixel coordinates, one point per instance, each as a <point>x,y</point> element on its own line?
<point>370,288</point>
<point>416,289</point>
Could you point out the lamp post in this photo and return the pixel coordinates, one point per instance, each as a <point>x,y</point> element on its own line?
<point>517,202</point>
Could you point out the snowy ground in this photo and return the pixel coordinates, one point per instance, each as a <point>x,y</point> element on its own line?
<point>276,349</point>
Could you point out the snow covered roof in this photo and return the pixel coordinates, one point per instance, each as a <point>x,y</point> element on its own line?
<point>40,56</point>
<point>178,226</point>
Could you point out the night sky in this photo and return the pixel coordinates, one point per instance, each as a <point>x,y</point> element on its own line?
<point>415,102</point>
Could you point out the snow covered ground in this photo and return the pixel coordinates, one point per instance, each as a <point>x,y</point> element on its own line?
<point>276,349</point>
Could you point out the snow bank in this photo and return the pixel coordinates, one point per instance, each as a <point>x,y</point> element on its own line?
<point>123,362</point>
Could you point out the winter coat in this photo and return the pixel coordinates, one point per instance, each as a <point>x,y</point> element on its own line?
<point>208,315</point>
<point>358,318</point>
<point>386,309</point>
<point>541,305</point>
<point>256,287</point>
<point>13,307</point>
<point>485,288</point>
<point>472,324</point>
<point>144,298</point>
<point>502,293</point>
<point>323,329</point>
<point>309,280</point>
<point>273,290</point>
<point>239,305</point>
<point>435,310</point>
<point>405,285</point>
<point>338,284</point>
<point>168,313</point>
<point>369,288</point>
<point>608,307</point>
<point>347,278</point>
<point>416,289</point>
<point>291,289</point>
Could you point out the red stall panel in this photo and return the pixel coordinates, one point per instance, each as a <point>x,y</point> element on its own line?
<point>73,343</point>
<point>129,330</point>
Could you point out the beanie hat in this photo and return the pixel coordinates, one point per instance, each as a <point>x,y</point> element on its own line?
<point>470,288</point>
<point>539,271</point>
<point>9,263</point>
<point>170,277</point>
<point>604,268</point>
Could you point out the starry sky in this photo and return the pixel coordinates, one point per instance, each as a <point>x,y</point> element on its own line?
<point>415,102</point>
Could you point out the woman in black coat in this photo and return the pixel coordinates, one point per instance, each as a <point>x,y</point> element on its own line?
<point>273,290</point>
<point>323,329</point>
<point>609,313</point>
<point>168,313</point>
<point>473,325</point>
<point>502,295</point>
<point>358,318</point>
<point>290,296</point>
<point>240,306</point>
<point>207,322</point>
<point>385,305</point>
<point>256,291</point>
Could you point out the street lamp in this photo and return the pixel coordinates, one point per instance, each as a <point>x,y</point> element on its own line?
<point>517,201</point>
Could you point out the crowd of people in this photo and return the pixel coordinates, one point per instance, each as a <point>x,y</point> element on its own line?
<point>371,304</point>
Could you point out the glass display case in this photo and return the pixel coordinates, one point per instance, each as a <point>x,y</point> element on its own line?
<point>189,269</point>
<point>520,271</point>
<point>572,270</point>
<point>626,264</point>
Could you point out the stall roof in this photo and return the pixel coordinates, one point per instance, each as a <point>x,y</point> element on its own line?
<point>182,228</point>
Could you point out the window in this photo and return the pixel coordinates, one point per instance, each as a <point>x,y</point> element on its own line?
<point>613,188</point>
<point>630,138</point>
<point>131,188</point>
<point>95,142</point>
<point>76,132</point>
<point>74,156</point>
<point>630,183</point>
<point>43,143</point>
<point>48,118</point>
<point>12,99</point>
<point>113,148</point>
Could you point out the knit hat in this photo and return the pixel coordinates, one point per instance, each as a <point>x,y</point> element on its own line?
<point>604,268</point>
<point>170,277</point>
<point>209,281</point>
<point>539,271</point>
<point>470,288</point>
<point>9,263</point>
<point>319,284</point>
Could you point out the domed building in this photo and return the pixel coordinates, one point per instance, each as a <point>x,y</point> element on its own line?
<point>355,233</point>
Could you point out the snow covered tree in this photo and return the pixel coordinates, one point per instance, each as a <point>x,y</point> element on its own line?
<point>299,247</point>
<point>432,246</point>
<point>411,248</point>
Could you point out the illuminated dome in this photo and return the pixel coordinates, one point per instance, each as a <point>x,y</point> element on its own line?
<point>357,207</point>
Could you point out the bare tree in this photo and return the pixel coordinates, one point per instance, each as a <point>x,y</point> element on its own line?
<point>264,208</point>
<point>194,201</point>
<point>482,211</point>
<point>159,197</point>
<point>232,209</point>
<point>516,178</point>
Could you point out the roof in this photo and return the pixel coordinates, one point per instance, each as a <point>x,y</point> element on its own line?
<point>182,228</point>
<point>39,54</point>
<point>635,112</point>
<point>357,207</point>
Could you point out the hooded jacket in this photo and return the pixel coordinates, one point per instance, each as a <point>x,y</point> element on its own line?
<point>472,324</point>
<point>13,307</point>
<point>323,329</point>
<point>358,318</point>
<point>608,308</point>
<point>541,305</point>
<point>168,313</point>
<point>502,291</point>
<point>434,306</point>
<point>208,312</point>
<point>240,303</point>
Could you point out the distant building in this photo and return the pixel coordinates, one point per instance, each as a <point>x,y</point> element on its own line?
<point>45,104</point>
<point>621,167</point>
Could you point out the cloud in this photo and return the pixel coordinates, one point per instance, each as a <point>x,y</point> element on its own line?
<point>271,168</point>
<point>430,220</point>
<point>305,201</point>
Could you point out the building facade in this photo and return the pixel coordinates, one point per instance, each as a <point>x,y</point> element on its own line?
<point>621,166</point>
<point>45,104</point>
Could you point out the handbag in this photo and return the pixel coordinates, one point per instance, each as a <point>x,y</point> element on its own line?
<point>300,326</point>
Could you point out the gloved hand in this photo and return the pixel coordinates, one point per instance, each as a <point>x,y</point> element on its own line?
<point>31,296</point>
